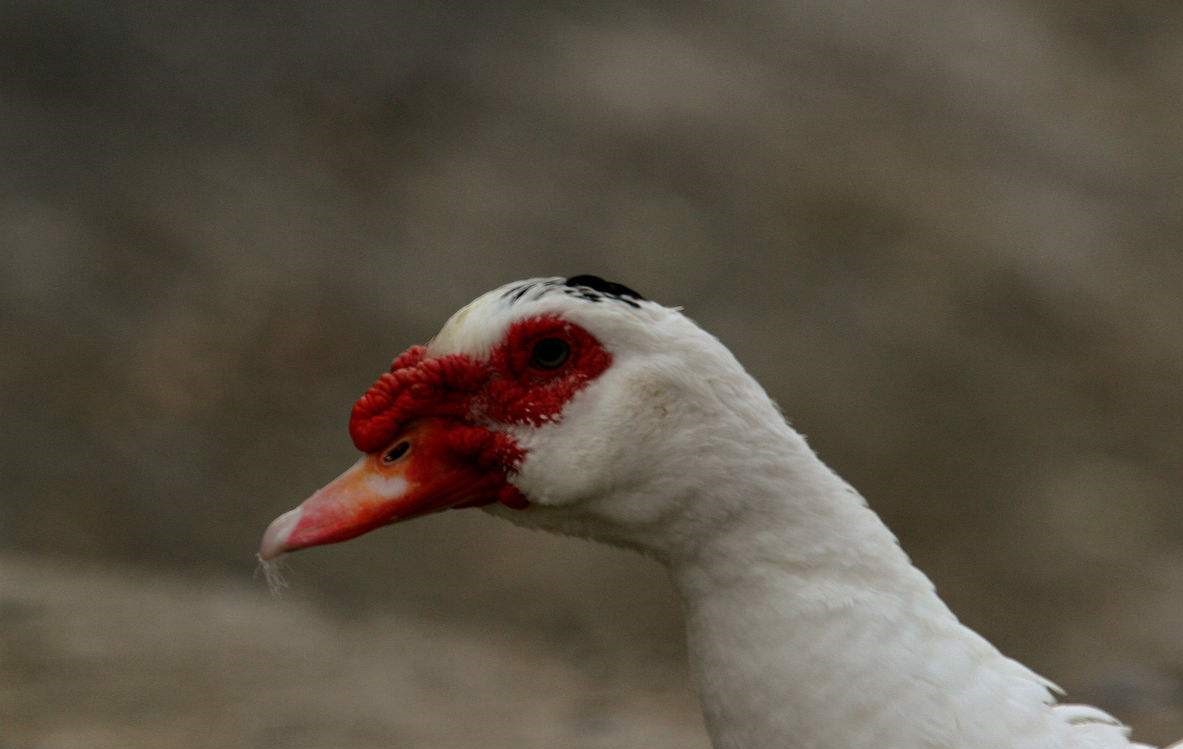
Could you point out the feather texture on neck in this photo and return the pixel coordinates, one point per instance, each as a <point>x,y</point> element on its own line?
<point>809,627</point>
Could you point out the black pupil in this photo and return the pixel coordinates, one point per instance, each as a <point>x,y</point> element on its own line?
<point>550,353</point>
<point>397,452</point>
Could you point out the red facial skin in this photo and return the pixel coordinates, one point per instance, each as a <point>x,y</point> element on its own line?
<point>504,389</point>
<point>449,410</point>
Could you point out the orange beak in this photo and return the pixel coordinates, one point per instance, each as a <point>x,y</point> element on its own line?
<point>421,471</point>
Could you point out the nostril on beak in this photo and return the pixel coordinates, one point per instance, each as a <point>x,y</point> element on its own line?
<point>396,452</point>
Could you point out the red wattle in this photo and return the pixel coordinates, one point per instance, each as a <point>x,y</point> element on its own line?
<point>504,389</point>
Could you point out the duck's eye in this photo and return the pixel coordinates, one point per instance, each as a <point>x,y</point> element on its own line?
<point>550,353</point>
<point>396,452</point>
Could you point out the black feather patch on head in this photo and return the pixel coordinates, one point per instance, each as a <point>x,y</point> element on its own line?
<point>598,286</point>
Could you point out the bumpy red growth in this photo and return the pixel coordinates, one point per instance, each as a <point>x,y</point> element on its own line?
<point>415,386</point>
<point>504,389</point>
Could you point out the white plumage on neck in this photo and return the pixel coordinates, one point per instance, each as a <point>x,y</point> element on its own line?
<point>808,627</point>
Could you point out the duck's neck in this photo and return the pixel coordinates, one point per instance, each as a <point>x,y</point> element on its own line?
<point>809,627</point>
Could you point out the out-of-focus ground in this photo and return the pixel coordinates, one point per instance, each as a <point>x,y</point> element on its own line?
<point>946,236</point>
<point>120,659</point>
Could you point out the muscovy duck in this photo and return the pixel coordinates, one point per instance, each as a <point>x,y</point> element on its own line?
<point>578,406</point>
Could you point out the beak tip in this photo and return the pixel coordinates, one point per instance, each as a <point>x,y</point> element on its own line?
<point>275,538</point>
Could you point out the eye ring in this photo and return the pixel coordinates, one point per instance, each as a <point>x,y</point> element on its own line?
<point>550,353</point>
<point>396,452</point>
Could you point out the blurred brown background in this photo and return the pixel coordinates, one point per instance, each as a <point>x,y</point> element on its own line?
<point>946,236</point>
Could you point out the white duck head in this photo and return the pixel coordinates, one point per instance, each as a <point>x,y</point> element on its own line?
<point>571,404</point>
